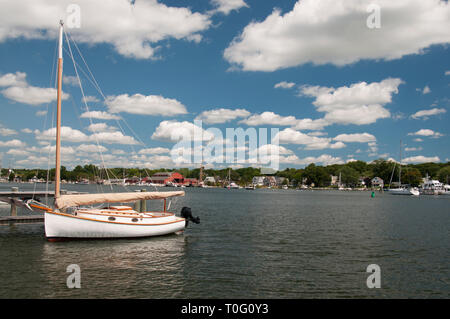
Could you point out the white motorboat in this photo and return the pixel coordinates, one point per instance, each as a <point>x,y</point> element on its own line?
<point>433,187</point>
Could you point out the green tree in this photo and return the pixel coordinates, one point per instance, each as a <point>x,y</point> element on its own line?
<point>444,175</point>
<point>411,176</point>
<point>349,176</point>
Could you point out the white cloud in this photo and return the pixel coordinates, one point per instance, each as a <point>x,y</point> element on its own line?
<point>361,103</point>
<point>218,116</point>
<point>26,130</point>
<point>284,85</point>
<point>70,80</point>
<point>91,148</point>
<point>269,118</point>
<point>226,6</point>
<point>11,79</point>
<point>447,72</point>
<point>355,138</point>
<point>41,113</point>
<point>113,138</point>
<point>421,159</point>
<point>144,105</point>
<point>101,127</point>
<point>427,132</point>
<point>411,149</point>
<point>20,91</point>
<point>31,94</point>
<point>426,90</point>
<point>324,159</point>
<point>12,143</point>
<point>335,31</point>
<point>100,115</point>
<point>18,152</point>
<point>69,134</point>
<point>426,113</point>
<point>173,131</point>
<point>418,140</point>
<point>154,150</point>
<point>7,131</point>
<point>291,136</point>
<point>133,29</point>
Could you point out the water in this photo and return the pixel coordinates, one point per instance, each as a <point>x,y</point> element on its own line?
<point>250,244</point>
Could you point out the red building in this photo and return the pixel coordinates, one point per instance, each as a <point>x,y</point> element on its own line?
<point>165,178</point>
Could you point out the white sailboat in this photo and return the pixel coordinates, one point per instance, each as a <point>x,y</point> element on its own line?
<point>69,220</point>
<point>402,190</point>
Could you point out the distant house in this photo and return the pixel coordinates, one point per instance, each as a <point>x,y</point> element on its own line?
<point>377,182</point>
<point>334,180</point>
<point>268,180</point>
<point>258,180</point>
<point>209,179</point>
<point>166,178</point>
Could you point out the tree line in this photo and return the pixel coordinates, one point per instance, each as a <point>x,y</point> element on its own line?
<point>351,173</point>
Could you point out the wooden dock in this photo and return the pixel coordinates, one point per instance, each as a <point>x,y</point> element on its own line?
<point>21,219</point>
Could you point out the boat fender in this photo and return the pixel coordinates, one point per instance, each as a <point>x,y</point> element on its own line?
<point>186,213</point>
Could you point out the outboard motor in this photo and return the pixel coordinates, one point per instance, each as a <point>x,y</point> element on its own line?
<point>186,213</point>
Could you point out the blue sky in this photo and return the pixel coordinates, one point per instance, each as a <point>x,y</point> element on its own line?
<point>361,90</point>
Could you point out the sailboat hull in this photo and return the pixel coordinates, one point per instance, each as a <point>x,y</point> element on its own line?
<point>59,225</point>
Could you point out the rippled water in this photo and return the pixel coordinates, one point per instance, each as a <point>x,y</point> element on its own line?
<point>250,244</point>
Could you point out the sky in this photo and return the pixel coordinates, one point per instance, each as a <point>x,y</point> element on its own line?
<point>336,80</point>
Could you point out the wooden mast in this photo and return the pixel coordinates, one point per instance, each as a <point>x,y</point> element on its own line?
<point>58,114</point>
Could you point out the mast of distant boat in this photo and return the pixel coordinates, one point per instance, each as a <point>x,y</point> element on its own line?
<point>400,167</point>
<point>58,114</point>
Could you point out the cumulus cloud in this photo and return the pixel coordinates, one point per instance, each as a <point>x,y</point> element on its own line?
<point>7,131</point>
<point>323,159</point>
<point>18,90</point>
<point>426,90</point>
<point>424,114</point>
<point>222,115</point>
<point>100,115</point>
<point>411,149</point>
<point>291,136</point>
<point>101,127</point>
<point>144,105</point>
<point>360,103</point>
<point>284,85</point>
<point>271,118</point>
<point>355,138</point>
<point>13,79</point>
<point>69,134</point>
<point>421,159</point>
<point>427,133</point>
<point>12,143</point>
<point>226,6</point>
<point>133,29</point>
<point>154,150</point>
<point>335,31</point>
<point>174,131</point>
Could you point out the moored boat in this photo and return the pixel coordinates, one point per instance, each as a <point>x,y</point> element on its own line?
<point>70,218</point>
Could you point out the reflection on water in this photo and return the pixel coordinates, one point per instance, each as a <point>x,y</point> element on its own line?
<point>250,244</point>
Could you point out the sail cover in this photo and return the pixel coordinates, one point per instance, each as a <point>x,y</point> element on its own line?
<point>65,201</point>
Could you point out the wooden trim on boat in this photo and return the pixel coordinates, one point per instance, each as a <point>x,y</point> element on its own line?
<point>122,214</point>
<point>179,219</point>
